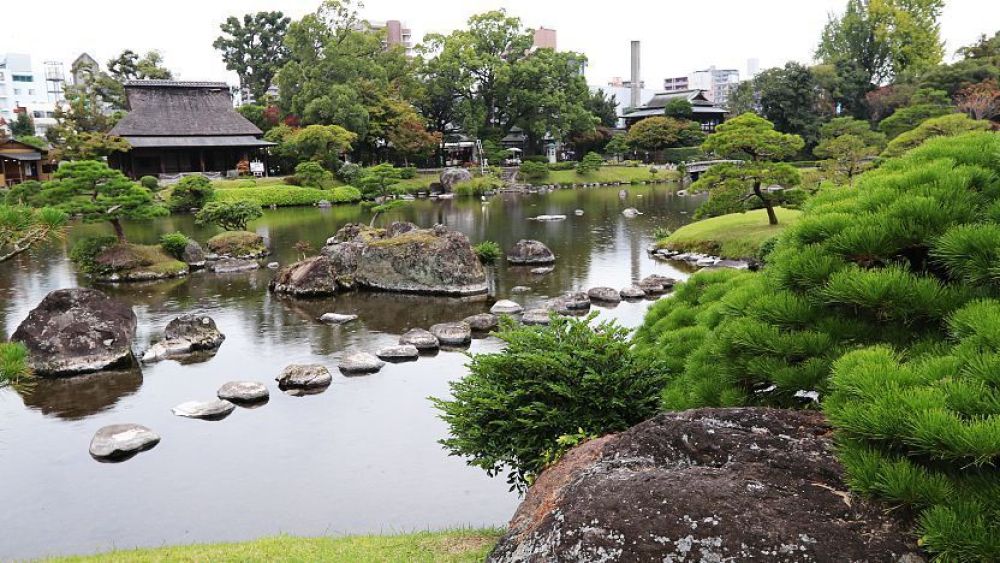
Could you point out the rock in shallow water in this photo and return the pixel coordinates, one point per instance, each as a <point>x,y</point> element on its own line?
<point>304,376</point>
<point>705,485</point>
<point>536,317</point>
<point>632,292</point>
<point>400,353</point>
<point>506,307</point>
<point>243,392</point>
<point>121,441</point>
<point>452,334</point>
<point>482,322</point>
<point>604,294</point>
<point>337,318</point>
<point>360,362</point>
<point>216,409</point>
<point>233,265</point>
<point>186,334</point>
<point>421,339</point>
<point>527,251</point>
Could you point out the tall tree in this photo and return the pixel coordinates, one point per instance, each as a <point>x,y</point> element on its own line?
<point>254,49</point>
<point>130,66</point>
<point>789,98</point>
<point>604,106</point>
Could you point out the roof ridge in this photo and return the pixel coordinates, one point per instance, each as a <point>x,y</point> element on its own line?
<point>157,82</point>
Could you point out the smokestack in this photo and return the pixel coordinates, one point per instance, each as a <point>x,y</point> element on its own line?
<point>636,79</point>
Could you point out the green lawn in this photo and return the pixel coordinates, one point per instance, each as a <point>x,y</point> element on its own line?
<point>738,235</point>
<point>451,546</point>
<point>422,182</point>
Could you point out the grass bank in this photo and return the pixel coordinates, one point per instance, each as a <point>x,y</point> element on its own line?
<point>450,547</point>
<point>281,195</point>
<point>738,235</point>
<point>608,175</point>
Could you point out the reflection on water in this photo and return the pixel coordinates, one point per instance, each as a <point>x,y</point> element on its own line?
<point>360,457</point>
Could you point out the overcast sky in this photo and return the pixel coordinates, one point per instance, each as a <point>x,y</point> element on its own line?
<point>677,36</point>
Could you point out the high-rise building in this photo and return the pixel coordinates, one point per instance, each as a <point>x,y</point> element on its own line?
<point>396,34</point>
<point>753,67</point>
<point>544,39</point>
<point>716,82</point>
<point>675,84</point>
<point>25,88</point>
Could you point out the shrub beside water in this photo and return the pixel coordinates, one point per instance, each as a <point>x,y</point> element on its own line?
<point>13,363</point>
<point>174,244</point>
<point>84,253</point>
<point>191,192</point>
<point>488,251</point>
<point>477,186</point>
<point>287,196</point>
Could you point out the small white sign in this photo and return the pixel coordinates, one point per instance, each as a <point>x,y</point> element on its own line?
<point>257,166</point>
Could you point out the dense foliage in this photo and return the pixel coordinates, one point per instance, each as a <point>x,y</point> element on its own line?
<point>477,186</point>
<point>287,196</point>
<point>254,48</point>
<point>191,192</point>
<point>566,379</point>
<point>946,125</point>
<point>488,251</point>
<point>533,172</point>
<point>901,261</point>
<point>231,216</point>
<point>174,244</point>
<point>590,163</point>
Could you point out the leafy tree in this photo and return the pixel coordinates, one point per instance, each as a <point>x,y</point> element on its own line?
<point>849,147</point>
<point>980,101</point>
<point>943,126</point>
<point>591,163</point>
<point>411,139</point>
<point>883,101</point>
<point>130,66</point>
<point>23,125</point>
<point>744,98</point>
<point>885,38</point>
<point>604,106</point>
<point>678,108</point>
<point>254,49</point>
<point>753,139</point>
<point>312,174</point>
<point>618,146</point>
<point>254,113</point>
<point>379,181</point>
<point>961,74</point>
<point>320,143</point>
<point>657,133</point>
<point>569,378</point>
<point>533,171</point>
<point>96,193</point>
<point>789,99</point>
<point>231,216</point>
<point>191,192</point>
<point>22,226</point>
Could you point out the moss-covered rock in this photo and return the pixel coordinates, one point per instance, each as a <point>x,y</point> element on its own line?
<point>136,262</point>
<point>238,244</point>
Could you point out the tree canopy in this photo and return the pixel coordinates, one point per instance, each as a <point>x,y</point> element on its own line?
<point>658,133</point>
<point>254,48</point>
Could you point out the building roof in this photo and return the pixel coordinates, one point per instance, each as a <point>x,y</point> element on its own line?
<point>695,96</point>
<point>653,112</point>
<point>196,142</point>
<point>172,108</point>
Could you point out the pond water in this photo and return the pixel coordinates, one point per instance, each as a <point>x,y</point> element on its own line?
<point>361,457</point>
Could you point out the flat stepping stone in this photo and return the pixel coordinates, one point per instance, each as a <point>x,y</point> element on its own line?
<point>118,442</point>
<point>656,283</point>
<point>575,300</point>
<point>216,409</point>
<point>506,307</point>
<point>233,265</point>
<point>452,334</point>
<point>243,392</point>
<point>604,294</point>
<point>483,322</point>
<point>337,318</point>
<point>360,363</point>
<point>543,270</point>
<point>421,339</point>
<point>401,353</point>
<point>632,292</point>
<point>520,289</point>
<point>304,376</point>
<point>536,317</point>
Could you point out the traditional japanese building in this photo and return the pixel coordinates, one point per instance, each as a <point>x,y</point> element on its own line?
<point>179,127</point>
<point>703,110</point>
<point>20,162</point>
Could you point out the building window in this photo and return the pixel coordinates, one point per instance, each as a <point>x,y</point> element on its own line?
<point>36,114</point>
<point>31,92</point>
<point>17,91</point>
<point>22,78</point>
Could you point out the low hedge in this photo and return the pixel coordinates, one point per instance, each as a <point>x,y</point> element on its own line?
<point>286,196</point>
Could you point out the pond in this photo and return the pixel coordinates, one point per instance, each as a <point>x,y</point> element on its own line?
<point>361,457</point>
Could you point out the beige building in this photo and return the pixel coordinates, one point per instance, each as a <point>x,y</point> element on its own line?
<point>545,38</point>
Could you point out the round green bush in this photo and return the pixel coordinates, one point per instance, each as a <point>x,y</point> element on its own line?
<point>191,192</point>
<point>174,244</point>
<point>151,183</point>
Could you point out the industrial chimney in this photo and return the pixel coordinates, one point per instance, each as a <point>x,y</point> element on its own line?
<point>635,101</point>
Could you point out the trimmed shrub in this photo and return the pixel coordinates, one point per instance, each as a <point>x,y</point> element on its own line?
<point>477,186</point>
<point>151,183</point>
<point>312,174</point>
<point>191,192</point>
<point>536,158</point>
<point>566,379</point>
<point>288,196</point>
<point>533,172</point>
<point>908,118</point>
<point>408,172</point>
<point>237,244</point>
<point>174,244</point>
<point>590,164</point>
<point>231,216</point>
<point>946,125</point>
<point>564,165</point>
<point>488,251</point>
<point>22,194</point>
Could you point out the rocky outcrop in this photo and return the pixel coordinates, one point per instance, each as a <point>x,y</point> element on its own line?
<point>452,176</point>
<point>119,442</point>
<point>238,244</point>
<point>77,331</point>
<point>526,252</point>
<point>193,255</point>
<point>186,334</point>
<point>312,277</point>
<point>704,485</point>
<point>216,409</point>
<point>136,262</point>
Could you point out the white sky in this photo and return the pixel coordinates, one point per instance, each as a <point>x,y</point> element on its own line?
<point>678,36</point>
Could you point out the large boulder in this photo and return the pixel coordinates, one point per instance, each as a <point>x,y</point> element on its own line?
<point>238,244</point>
<point>77,331</point>
<point>452,176</point>
<point>704,485</point>
<point>432,261</point>
<point>184,335</point>
<point>193,255</point>
<point>312,277</point>
<point>527,251</point>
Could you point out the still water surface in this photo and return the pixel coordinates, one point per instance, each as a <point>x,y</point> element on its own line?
<point>361,457</point>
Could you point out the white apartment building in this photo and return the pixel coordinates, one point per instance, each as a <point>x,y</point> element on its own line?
<point>31,87</point>
<point>715,82</point>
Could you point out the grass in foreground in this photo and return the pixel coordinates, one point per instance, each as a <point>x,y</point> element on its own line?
<point>737,235</point>
<point>450,547</point>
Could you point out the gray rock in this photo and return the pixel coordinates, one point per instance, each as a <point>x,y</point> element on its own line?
<point>575,300</point>
<point>421,339</point>
<point>536,317</point>
<point>578,212</point>
<point>273,265</point>
<point>186,334</point>
<point>631,212</point>
<point>520,289</point>
<point>193,255</point>
<point>483,322</point>
<point>452,176</point>
<point>452,334</point>
<point>215,409</point>
<point>632,292</point>
<point>543,270</point>
<point>121,441</point>
<point>243,392</point>
<point>337,318</point>
<point>549,218</point>
<point>506,307</point>
<point>706,262</point>
<point>360,362</point>
<point>398,353</point>
<point>530,252</point>
<point>324,204</point>
<point>77,331</point>
<point>604,294</point>
<point>304,376</point>
<point>312,277</point>
<point>655,283</point>
<point>233,265</point>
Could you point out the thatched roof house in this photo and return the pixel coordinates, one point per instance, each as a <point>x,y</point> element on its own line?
<point>703,110</point>
<point>179,127</point>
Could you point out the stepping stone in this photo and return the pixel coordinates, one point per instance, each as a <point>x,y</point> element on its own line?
<point>233,265</point>
<point>536,317</point>
<point>604,294</point>
<point>337,318</point>
<point>520,289</point>
<point>118,442</point>
<point>506,307</point>
<point>575,301</point>
<point>360,363</point>
<point>632,292</point>
<point>216,409</point>
<point>483,322</point>
<point>452,334</point>
<point>401,353</point>
<point>243,392</point>
<point>543,270</point>
<point>421,339</point>
<point>304,376</point>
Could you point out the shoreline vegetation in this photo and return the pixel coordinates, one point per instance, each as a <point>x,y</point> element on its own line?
<point>735,236</point>
<point>449,546</point>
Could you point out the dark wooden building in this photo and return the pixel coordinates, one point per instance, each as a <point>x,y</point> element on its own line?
<point>707,114</point>
<point>179,127</point>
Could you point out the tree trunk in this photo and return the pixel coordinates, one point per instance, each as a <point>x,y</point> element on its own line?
<point>119,231</point>
<point>772,217</point>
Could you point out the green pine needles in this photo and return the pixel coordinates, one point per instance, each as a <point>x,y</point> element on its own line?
<point>881,306</point>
